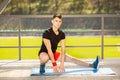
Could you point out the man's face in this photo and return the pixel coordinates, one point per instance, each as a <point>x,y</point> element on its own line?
<point>57,22</point>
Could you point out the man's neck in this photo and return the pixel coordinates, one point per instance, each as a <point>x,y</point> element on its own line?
<point>55,30</point>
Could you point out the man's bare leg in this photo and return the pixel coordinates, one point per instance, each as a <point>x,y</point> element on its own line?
<point>69,58</point>
<point>43,57</point>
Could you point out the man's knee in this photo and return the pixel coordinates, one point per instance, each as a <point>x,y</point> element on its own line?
<point>43,57</point>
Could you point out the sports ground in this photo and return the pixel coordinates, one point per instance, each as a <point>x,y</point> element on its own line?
<point>77,46</point>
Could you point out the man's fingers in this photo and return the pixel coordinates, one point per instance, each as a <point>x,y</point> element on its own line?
<point>55,70</point>
<point>62,70</point>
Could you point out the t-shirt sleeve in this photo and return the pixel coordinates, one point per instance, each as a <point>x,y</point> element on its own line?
<point>46,35</point>
<point>63,35</point>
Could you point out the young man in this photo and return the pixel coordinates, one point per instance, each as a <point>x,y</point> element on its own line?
<point>50,39</point>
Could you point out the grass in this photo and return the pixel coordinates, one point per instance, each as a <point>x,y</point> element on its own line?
<point>78,52</point>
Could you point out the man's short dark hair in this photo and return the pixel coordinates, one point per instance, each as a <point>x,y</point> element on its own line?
<point>57,15</point>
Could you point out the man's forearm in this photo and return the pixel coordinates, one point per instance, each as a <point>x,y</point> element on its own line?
<point>62,57</point>
<point>51,56</point>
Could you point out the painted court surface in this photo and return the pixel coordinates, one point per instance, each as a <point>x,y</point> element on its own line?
<point>21,70</point>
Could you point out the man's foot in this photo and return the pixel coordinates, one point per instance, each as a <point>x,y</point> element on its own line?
<point>96,63</point>
<point>42,68</point>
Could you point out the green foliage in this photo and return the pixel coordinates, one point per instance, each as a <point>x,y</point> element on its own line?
<point>37,7</point>
<point>1,1</point>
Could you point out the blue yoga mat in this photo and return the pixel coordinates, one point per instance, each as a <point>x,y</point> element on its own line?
<point>74,71</point>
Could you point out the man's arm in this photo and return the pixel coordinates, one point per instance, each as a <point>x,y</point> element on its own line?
<point>62,55</point>
<point>48,46</point>
<point>50,53</point>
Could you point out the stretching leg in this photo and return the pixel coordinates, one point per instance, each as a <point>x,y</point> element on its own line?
<point>69,58</point>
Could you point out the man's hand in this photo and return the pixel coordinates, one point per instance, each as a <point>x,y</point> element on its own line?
<point>62,69</point>
<point>55,70</point>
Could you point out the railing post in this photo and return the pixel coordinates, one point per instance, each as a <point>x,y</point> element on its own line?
<point>19,39</point>
<point>102,37</point>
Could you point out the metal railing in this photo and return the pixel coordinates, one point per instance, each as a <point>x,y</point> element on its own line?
<point>102,30</point>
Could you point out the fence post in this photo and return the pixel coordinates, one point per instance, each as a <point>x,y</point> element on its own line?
<point>102,37</point>
<point>19,39</point>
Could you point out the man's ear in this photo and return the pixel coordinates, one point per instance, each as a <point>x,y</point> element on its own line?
<point>52,21</point>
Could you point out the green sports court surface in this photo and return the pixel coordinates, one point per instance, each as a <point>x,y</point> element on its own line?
<point>72,41</point>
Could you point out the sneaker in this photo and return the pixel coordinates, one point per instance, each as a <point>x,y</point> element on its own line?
<point>96,63</point>
<point>42,68</point>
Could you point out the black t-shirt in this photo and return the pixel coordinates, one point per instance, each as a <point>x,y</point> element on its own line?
<point>54,39</point>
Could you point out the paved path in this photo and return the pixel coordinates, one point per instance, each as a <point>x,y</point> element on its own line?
<point>20,70</point>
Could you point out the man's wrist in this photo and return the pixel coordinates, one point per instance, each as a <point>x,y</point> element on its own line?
<point>54,64</point>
